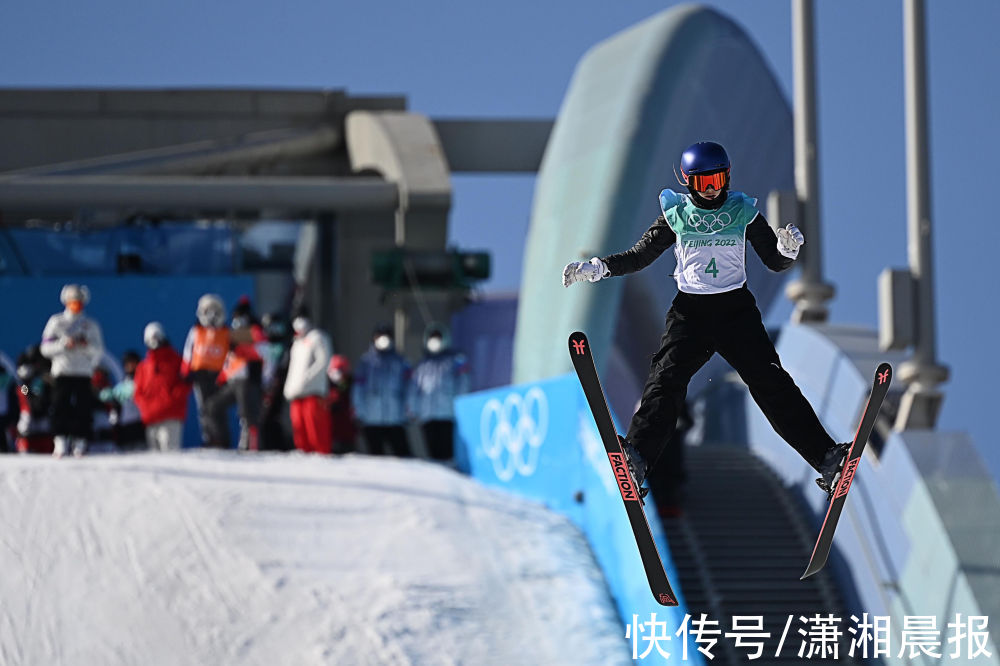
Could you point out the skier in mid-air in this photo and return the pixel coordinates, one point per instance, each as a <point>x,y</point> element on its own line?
<point>713,312</point>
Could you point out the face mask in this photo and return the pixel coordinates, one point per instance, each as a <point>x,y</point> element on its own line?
<point>383,342</point>
<point>300,325</point>
<point>434,344</point>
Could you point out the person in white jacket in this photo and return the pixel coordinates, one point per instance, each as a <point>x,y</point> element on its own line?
<point>74,344</point>
<point>306,386</point>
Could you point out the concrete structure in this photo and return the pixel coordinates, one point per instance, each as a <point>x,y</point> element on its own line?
<point>363,171</point>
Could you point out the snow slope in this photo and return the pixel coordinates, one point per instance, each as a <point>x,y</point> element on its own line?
<point>221,558</point>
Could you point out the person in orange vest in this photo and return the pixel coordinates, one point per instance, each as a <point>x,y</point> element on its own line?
<point>240,382</point>
<point>204,355</point>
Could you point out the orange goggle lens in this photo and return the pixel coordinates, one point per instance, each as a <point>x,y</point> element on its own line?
<point>701,182</point>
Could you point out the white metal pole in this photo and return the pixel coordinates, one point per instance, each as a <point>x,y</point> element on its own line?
<point>922,401</point>
<point>809,292</point>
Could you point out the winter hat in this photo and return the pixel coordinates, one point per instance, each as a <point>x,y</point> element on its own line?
<point>154,335</point>
<point>131,356</point>
<point>340,362</point>
<point>437,330</point>
<point>210,310</point>
<point>275,326</point>
<point>338,368</point>
<point>383,337</point>
<point>243,307</point>
<point>301,321</point>
<point>74,292</point>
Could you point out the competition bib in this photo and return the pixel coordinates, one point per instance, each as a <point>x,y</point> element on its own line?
<point>711,244</point>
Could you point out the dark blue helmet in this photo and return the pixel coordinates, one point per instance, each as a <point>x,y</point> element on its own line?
<point>704,157</point>
<point>705,165</point>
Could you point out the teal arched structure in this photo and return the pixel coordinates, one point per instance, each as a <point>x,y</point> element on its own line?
<point>635,101</point>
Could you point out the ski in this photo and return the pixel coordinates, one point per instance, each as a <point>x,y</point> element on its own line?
<point>583,362</point>
<point>883,377</point>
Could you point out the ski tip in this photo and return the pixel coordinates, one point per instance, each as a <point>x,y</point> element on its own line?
<point>883,374</point>
<point>578,344</point>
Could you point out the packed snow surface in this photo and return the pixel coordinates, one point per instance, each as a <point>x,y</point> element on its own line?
<point>221,558</point>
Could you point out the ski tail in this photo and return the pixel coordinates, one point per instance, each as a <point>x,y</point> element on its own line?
<point>821,551</point>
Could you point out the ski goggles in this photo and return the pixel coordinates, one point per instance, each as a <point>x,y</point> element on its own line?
<point>700,182</point>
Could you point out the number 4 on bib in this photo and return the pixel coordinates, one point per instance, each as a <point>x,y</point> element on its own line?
<point>712,268</point>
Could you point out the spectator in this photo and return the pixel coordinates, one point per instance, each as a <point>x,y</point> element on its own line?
<point>127,430</point>
<point>379,395</point>
<point>440,376</point>
<point>274,354</point>
<point>240,380</point>
<point>205,353</point>
<point>161,394</point>
<point>102,425</point>
<point>8,409</point>
<point>34,428</point>
<point>74,343</point>
<point>306,386</point>
<point>244,317</point>
<point>341,412</point>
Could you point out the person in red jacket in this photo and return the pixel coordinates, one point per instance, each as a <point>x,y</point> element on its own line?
<point>161,394</point>
<point>344,427</point>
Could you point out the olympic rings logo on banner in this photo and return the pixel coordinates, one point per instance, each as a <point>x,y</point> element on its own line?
<point>709,223</point>
<point>512,432</point>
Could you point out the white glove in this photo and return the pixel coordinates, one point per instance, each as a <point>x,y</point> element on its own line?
<point>789,240</point>
<point>591,271</point>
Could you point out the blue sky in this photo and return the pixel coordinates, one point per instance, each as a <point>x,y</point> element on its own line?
<point>515,59</point>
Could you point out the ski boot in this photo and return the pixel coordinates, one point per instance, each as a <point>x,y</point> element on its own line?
<point>830,468</point>
<point>637,466</point>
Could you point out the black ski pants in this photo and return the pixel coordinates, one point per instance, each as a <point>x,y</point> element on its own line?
<point>387,440</point>
<point>439,436</point>
<point>698,325</point>
<point>73,406</point>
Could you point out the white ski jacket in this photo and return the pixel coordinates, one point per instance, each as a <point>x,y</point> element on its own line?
<point>307,361</point>
<point>80,360</point>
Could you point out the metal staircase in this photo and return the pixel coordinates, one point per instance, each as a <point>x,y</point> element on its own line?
<point>739,548</point>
